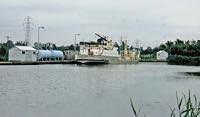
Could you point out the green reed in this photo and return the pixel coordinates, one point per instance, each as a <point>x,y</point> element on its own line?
<point>187,106</point>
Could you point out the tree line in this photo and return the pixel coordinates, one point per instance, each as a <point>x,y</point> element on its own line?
<point>180,52</point>
<point>178,47</point>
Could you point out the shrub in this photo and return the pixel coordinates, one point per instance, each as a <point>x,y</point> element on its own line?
<point>183,60</point>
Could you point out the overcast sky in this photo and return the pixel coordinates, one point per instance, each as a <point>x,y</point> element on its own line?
<point>151,21</point>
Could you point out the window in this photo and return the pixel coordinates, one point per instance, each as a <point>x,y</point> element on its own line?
<point>23,52</point>
<point>33,52</point>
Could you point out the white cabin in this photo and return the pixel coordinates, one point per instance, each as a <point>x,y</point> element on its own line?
<point>99,50</point>
<point>161,55</point>
<point>22,53</point>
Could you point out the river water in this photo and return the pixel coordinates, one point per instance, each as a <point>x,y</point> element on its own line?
<point>93,91</point>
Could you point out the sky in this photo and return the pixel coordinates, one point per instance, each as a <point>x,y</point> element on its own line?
<point>152,22</point>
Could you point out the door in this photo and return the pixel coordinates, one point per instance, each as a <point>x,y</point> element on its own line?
<point>29,55</point>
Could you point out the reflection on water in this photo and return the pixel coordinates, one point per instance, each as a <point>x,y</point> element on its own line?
<point>92,91</point>
<point>193,73</point>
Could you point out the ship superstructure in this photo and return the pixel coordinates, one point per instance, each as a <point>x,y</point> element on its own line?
<point>104,51</point>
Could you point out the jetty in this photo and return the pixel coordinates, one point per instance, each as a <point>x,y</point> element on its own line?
<point>152,60</point>
<point>38,62</point>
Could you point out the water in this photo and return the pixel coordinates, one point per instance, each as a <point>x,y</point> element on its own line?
<point>93,91</point>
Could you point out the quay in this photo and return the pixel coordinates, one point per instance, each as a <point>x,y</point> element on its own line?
<point>61,62</point>
<point>38,62</point>
<point>152,60</point>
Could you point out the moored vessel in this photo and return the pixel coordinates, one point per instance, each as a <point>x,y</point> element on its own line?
<point>104,51</point>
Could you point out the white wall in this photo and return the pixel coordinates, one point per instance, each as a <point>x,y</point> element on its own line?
<point>162,55</point>
<point>16,55</point>
<point>113,53</point>
<point>95,50</point>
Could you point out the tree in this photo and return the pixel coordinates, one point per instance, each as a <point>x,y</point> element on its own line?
<point>10,44</point>
<point>141,49</point>
<point>169,44</point>
<point>45,46</point>
<point>149,50</point>
<point>187,42</point>
<point>162,47</point>
<point>54,46</point>
<point>2,51</point>
<point>71,47</point>
<point>21,43</point>
<point>198,42</point>
<point>36,45</point>
<point>156,49</point>
<point>179,42</point>
<point>193,42</point>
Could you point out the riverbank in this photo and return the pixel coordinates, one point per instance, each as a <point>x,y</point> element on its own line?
<point>183,60</point>
<point>151,60</point>
<point>62,62</point>
<point>193,73</point>
<point>39,62</point>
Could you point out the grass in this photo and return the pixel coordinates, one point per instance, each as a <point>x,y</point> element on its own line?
<point>134,109</point>
<point>187,106</point>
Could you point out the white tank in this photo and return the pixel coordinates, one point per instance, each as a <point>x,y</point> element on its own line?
<point>50,55</point>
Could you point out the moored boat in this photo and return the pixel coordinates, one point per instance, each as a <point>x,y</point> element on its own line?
<point>104,51</point>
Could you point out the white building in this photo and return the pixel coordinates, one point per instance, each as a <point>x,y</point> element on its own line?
<point>161,55</point>
<point>22,53</point>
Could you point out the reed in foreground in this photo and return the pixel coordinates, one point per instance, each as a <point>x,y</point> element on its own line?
<point>186,107</point>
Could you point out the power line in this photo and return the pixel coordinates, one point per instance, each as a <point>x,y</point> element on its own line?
<point>28,27</point>
<point>137,43</point>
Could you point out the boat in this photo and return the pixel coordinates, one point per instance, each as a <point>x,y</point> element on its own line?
<point>104,51</point>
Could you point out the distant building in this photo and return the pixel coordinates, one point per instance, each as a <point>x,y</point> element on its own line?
<point>22,53</point>
<point>161,55</point>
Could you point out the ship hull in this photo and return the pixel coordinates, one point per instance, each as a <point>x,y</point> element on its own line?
<point>87,59</point>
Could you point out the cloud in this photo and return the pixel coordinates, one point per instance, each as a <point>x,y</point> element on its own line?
<point>152,21</point>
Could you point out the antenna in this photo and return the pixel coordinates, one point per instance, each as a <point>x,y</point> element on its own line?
<point>121,39</point>
<point>137,47</point>
<point>137,44</point>
<point>28,27</point>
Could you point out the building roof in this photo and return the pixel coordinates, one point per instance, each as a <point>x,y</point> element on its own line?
<point>25,48</point>
<point>161,51</point>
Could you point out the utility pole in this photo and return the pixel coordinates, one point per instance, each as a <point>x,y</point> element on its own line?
<point>137,47</point>
<point>137,44</point>
<point>122,45</point>
<point>7,37</point>
<point>28,27</point>
<point>40,27</point>
<point>75,42</point>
